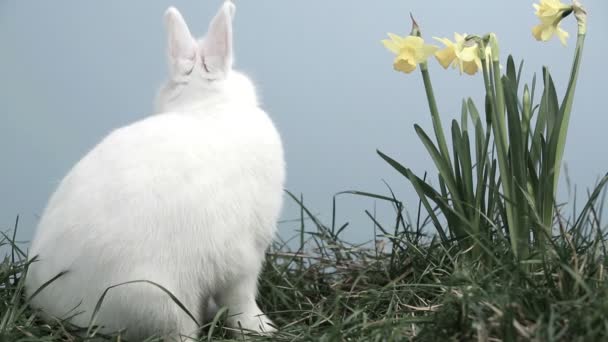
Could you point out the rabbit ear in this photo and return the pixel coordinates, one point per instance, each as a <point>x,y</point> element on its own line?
<point>182,46</point>
<point>216,48</point>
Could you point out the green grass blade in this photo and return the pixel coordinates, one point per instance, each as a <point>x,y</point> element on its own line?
<point>423,190</point>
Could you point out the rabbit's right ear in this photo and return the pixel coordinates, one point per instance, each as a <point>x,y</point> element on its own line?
<point>216,48</point>
<point>182,46</point>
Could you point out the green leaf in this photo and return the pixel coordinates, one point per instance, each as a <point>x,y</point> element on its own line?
<point>480,151</point>
<point>462,148</point>
<point>517,168</point>
<point>443,166</point>
<point>473,110</point>
<point>519,72</point>
<point>482,144</point>
<point>549,104</point>
<point>516,137</point>
<point>541,125</point>
<point>443,189</point>
<point>494,202</point>
<point>511,73</point>
<point>456,140</point>
<point>463,115</point>
<point>533,89</point>
<point>526,114</point>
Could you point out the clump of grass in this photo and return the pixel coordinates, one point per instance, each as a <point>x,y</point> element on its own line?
<point>402,285</point>
<point>421,288</point>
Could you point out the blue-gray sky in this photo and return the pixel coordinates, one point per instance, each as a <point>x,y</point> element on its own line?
<point>71,71</point>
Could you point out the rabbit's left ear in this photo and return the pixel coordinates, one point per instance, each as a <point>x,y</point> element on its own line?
<point>182,46</point>
<point>216,48</point>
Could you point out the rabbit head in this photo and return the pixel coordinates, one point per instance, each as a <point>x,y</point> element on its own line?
<point>201,70</point>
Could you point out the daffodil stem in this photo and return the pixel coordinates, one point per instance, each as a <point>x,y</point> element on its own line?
<point>443,161</point>
<point>566,107</point>
<point>437,126</point>
<point>564,112</point>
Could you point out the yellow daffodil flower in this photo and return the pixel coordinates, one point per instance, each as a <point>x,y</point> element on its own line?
<point>410,51</point>
<point>550,8</point>
<point>550,13</point>
<point>460,53</point>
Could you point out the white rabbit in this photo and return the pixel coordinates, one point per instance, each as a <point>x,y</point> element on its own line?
<point>187,198</point>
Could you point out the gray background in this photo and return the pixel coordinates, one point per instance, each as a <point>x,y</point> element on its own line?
<point>71,71</point>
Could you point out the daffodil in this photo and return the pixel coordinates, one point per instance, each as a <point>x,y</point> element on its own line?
<point>410,51</point>
<point>460,53</point>
<point>550,13</point>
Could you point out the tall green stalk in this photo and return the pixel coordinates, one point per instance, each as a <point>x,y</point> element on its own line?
<point>557,142</point>
<point>566,107</point>
<point>437,126</point>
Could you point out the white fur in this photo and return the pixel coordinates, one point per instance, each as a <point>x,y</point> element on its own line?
<point>187,198</point>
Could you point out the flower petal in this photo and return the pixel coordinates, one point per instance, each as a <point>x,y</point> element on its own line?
<point>396,38</point>
<point>459,37</point>
<point>536,31</point>
<point>413,41</point>
<point>404,65</point>
<point>391,46</point>
<point>446,56</point>
<point>562,35</point>
<point>468,54</point>
<point>547,32</point>
<point>428,50</point>
<point>470,68</point>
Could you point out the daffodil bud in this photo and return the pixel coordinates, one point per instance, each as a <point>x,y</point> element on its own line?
<point>415,28</point>
<point>493,44</point>
<point>527,104</point>
<point>489,109</point>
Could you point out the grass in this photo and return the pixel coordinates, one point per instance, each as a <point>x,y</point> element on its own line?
<point>494,260</point>
<point>471,270</point>
<point>403,285</point>
<point>501,262</point>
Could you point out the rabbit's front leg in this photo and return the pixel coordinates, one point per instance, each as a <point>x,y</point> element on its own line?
<point>243,312</point>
